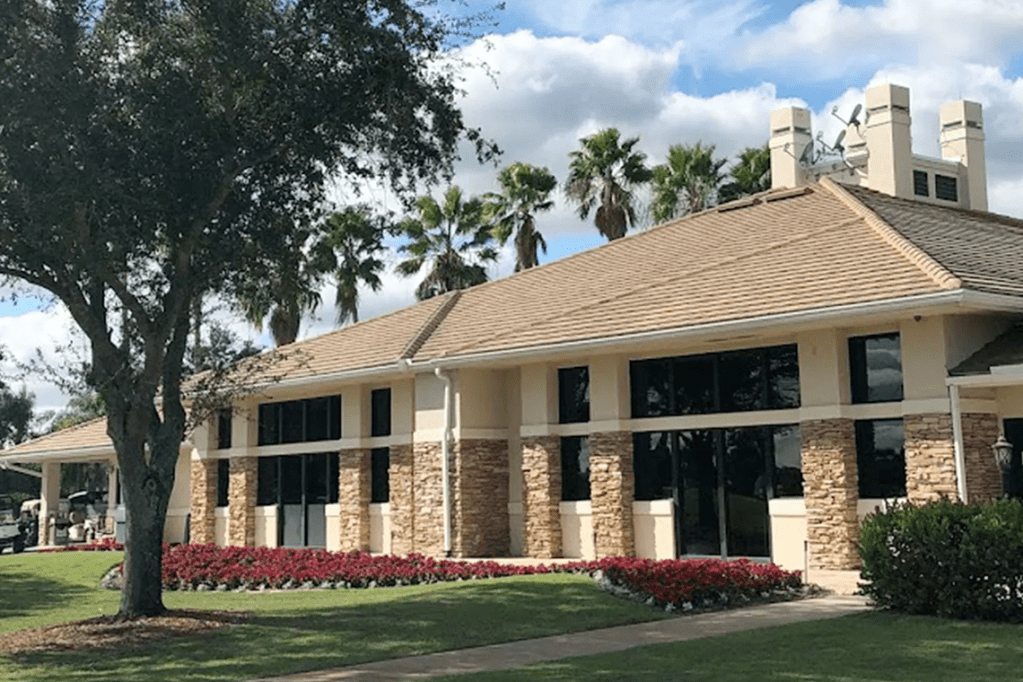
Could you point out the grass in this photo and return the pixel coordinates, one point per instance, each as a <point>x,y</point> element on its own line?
<point>291,631</point>
<point>870,647</point>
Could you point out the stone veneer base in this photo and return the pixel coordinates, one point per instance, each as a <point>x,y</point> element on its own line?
<point>203,494</point>
<point>612,490</point>
<point>831,491</point>
<point>241,503</point>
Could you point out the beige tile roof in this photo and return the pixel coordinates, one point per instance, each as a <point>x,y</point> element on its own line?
<point>791,251</point>
<point>787,251</point>
<point>84,438</point>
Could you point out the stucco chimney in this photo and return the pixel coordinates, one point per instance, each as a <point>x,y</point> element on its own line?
<point>962,140</point>
<point>791,134</point>
<point>890,164</point>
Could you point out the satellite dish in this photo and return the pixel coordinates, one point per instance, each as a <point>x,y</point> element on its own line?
<point>856,112</point>
<point>807,158</point>
<point>838,142</point>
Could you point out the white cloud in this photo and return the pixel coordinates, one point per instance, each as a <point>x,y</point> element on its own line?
<point>825,38</point>
<point>44,330</point>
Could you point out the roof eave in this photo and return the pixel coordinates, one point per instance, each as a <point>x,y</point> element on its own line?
<point>960,299</point>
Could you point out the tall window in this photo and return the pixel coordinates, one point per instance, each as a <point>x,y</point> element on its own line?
<point>224,428</point>
<point>881,458</point>
<point>300,421</point>
<point>875,368</point>
<point>575,468</point>
<point>380,412</point>
<point>307,479</point>
<point>380,479</point>
<point>223,481</point>
<point>735,381</point>
<point>573,395</point>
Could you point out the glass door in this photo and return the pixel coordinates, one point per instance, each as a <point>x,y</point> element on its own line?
<point>697,512</point>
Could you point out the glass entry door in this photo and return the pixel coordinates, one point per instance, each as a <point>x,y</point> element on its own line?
<point>720,481</point>
<point>307,484</point>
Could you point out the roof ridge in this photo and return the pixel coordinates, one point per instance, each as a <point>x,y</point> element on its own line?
<point>427,329</point>
<point>661,281</point>
<point>942,276</point>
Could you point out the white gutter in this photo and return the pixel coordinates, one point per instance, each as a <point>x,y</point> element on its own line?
<point>957,441</point>
<point>445,456</point>
<point>20,470</point>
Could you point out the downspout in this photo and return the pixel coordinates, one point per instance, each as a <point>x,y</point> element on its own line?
<point>445,454</point>
<point>20,470</point>
<point>957,441</point>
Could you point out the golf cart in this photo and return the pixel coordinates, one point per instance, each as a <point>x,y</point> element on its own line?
<point>12,530</point>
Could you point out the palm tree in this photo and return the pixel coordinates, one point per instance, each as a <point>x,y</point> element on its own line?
<point>356,239</point>
<point>525,191</point>
<point>288,288</point>
<point>687,183</point>
<point>603,174</point>
<point>750,174</point>
<point>453,238</point>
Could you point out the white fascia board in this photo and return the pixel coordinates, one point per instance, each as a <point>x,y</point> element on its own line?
<point>915,304</point>
<point>986,380</point>
<point>93,453</point>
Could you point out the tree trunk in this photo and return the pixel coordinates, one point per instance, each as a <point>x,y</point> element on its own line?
<point>145,501</point>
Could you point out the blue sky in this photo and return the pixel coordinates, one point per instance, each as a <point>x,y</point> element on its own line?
<point>681,71</point>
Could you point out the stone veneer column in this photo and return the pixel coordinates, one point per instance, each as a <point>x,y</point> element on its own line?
<point>983,478</point>
<point>402,499</point>
<point>241,502</point>
<point>541,496</point>
<point>611,493</point>
<point>353,498</point>
<point>831,490</point>
<point>203,501</point>
<point>480,526</point>
<point>428,508</point>
<point>930,458</point>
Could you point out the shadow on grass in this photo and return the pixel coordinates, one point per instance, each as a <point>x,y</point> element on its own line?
<point>23,593</point>
<point>465,615</point>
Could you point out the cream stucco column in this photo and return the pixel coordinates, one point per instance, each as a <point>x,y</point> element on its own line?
<point>49,493</point>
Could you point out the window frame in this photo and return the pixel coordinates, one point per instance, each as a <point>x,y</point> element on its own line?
<point>569,379</point>
<point>859,369</point>
<point>223,483</point>
<point>873,486</point>
<point>380,417</point>
<point>270,417</point>
<point>575,483</point>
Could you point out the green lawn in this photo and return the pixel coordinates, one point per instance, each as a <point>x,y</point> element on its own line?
<point>870,647</point>
<point>291,631</point>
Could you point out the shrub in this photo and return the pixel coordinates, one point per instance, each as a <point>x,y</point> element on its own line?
<point>946,559</point>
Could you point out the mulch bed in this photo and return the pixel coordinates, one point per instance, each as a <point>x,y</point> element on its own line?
<point>108,632</point>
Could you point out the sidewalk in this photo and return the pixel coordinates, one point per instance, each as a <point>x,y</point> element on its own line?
<point>527,652</point>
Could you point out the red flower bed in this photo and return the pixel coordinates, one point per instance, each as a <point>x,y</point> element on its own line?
<point>104,545</point>
<point>675,582</point>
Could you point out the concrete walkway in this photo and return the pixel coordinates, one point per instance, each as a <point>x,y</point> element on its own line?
<point>526,652</point>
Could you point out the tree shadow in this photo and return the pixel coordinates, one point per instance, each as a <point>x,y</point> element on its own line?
<point>23,593</point>
<point>474,614</point>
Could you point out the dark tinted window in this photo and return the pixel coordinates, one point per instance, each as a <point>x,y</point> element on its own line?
<point>881,458</point>
<point>693,379</point>
<point>735,381</point>
<point>946,188</point>
<point>380,404</point>
<point>269,424</point>
<point>575,468</point>
<point>783,377</point>
<point>267,488</point>
<point>573,395</point>
<point>743,381</point>
<point>298,421</point>
<point>334,414</point>
<point>224,429</point>
<point>223,481</point>
<point>380,462</point>
<point>293,421</point>
<point>920,184</point>
<point>875,366</point>
<point>788,461</point>
<point>291,479</point>
<point>317,419</point>
<point>650,382</point>
<point>332,478</point>
<point>651,464</point>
